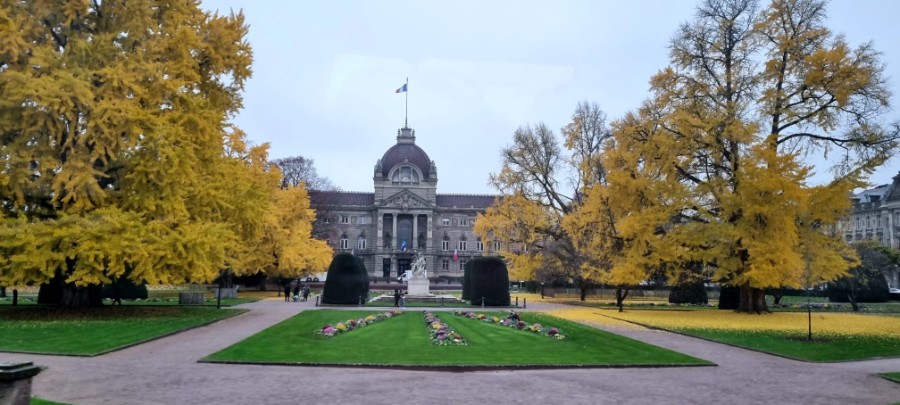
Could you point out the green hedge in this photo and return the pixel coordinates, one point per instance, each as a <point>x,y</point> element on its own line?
<point>692,293</point>
<point>467,280</point>
<point>128,290</point>
<point>347,281</point>
<point>489,280</point>
<point>729,297</point>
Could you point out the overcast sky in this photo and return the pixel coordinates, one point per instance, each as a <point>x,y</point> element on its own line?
<point>325,72</point>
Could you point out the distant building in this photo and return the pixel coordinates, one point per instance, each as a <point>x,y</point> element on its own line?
<point>876,216</point>
<point>404,216</point>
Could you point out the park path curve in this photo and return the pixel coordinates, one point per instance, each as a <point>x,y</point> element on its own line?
<point>166,371</point>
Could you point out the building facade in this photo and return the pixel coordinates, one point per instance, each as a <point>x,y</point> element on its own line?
<point>876,216</point>
<point>403,217</point>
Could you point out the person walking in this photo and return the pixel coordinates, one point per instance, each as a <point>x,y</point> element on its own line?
<point>305,293</point>
<point>403,299</point>
<point>296,295</point>
<point>396,298</point>
<point>287,292</point>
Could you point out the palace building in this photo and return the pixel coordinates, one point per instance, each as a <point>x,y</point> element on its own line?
<point>403,217</point>
<point>876,216</point>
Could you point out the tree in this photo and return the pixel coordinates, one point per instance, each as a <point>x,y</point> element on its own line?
<point>541,185</point>
<point>298,169</point>
<point>728,135</point>
<point>116,155</point>
<point>865,282</point>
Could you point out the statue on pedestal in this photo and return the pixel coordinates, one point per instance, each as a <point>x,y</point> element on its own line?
<point>418,268</point>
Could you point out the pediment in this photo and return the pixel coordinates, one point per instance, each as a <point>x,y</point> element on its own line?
<point>405,200</point>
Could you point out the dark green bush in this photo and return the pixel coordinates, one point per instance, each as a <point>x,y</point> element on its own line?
<point>467,280</point>
<point>869,284</point>
<point>729,297</point>
<point>347,281</point>
<point>128,290</point>
<point>690,293</point>
<point>489,280</point>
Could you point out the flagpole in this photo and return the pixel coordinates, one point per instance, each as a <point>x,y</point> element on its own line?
<point>406,109</point>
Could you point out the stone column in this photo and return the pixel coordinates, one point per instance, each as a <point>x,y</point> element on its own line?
<point>15,382</point>
<point>415,235</point>
<point>394,239</point>
<point>379,233</point>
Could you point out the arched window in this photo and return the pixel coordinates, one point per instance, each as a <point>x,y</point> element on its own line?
<point>405,175</point>
<point>344,242</point>
<point>361,241</point>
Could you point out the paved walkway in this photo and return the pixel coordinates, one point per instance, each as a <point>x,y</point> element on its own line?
<point>166,371</point>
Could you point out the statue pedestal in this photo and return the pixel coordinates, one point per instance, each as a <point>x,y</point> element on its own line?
<point>418,287</point>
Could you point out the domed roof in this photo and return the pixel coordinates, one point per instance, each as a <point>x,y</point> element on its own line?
<point>405,152</point>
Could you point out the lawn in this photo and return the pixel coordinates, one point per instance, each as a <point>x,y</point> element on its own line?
<point>49,330</point>
<point>836,336</point>
<point>403,341</point>
<point>895,377</point>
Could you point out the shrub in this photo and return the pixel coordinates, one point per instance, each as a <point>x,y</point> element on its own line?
<point>347,280</point>
<point>467,280</point>
<point>729,297</point>
<point>128,290</point>
<point>869,284</point>
<point>691,293</point>
<point>489,280</point>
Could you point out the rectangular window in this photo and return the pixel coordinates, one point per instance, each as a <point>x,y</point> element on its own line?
<point>479,246</point>
<point>326,220</point>
<point>461,245</point>
<point>445,245</point>
<point>345,244</point>
<point>463,222</point>
<point>462,264</point>
<point>445,221</point>
<point>445,264</point>
<point>345,219</point>
<point>364,220</point>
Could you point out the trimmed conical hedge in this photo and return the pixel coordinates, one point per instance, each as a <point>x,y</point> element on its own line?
<point>347,281</point>
<point>467,280</point>
<point>489,279</point>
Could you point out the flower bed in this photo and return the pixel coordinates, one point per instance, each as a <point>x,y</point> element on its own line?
<point>441,333</point>
<point>329,330</point>
<point>512,320</point>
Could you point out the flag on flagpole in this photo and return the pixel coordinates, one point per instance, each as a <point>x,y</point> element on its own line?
<point>402,88</point>
<point>403,246</point>
<point>455,255</point>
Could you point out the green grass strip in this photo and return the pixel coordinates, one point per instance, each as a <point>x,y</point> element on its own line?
<point>403,342</point>
<point>823,348</point>
<point>895,377</point>
<point>50,330</point>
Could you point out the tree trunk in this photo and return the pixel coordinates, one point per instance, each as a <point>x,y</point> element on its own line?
<point>851,296</point>
<point>2,292</point>
<point>81,297</point>
<point>67,295</point>
<point>583,293</point>
<point>777,293</point>
<point>753,300</point>
<point>621,294</point>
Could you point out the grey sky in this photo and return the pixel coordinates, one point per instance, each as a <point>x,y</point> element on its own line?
<point>325,72</point>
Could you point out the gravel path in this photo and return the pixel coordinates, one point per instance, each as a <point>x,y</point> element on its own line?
<point>166,371</point>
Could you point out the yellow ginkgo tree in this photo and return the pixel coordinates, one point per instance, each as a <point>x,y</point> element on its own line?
<point>117,158</point>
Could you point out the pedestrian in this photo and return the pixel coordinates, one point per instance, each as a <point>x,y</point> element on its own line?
<point>296,295</point>
<point>287,292</point>
<point>305,293</point>
<point>403,299</point>
<point>396,298</point>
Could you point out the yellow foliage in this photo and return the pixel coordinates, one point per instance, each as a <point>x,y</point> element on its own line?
<point>118,158</point>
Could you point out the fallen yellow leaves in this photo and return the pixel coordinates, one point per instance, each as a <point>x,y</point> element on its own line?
<point>591,317</point>
<point>827,323</point>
